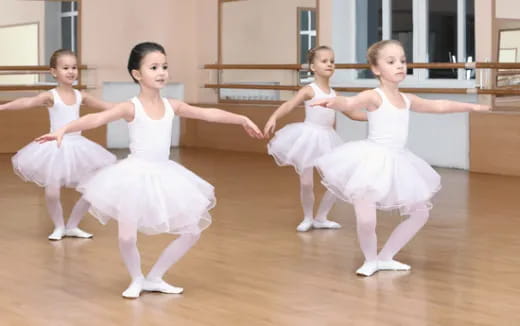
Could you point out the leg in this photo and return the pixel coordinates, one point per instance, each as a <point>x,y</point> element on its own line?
<point>80,209</point>
<point>175,251</point>
<point>321,221</point>
<point>52,198</point>
<point>131,258</point>
<point>307,199</point>
<point>402,234</point>
<point>366,231</point>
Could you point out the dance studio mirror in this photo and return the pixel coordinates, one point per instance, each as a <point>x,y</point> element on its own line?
<point>509,51</point>
<point>30,30</point>
<point>265,32</point>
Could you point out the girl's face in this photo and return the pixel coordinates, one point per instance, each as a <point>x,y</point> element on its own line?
<point>323,63</point>
<point>391,64</point>
<point>153,72</point>
<point>66,71</point>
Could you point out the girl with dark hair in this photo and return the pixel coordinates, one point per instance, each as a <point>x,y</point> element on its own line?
<point>147,192</point>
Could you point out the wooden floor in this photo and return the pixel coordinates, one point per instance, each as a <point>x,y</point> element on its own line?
<point>252,268</point>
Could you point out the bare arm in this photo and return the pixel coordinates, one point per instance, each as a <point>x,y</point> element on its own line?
<point>215,115</point>
<point>95,103</point>
<point>357,115</point>
<point>351,104</point>
<point>304,94</point>
<point>43,99</point>
<point>443,106</point>
<point>90,121</point>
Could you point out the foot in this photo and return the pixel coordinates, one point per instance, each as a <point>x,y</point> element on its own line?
<point>161,286</point>
<point>134,290</point>
<point>57,234</point>
<point>325,224</point>
<point>304,225</point>
<point>392,265</point>
<point>368,268</point>
<point>77,233</point>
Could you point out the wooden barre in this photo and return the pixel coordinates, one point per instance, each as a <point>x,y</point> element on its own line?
<point>490,91</point>
<point>5,88</point>
<point>416,65</point>
<point>34,68</point>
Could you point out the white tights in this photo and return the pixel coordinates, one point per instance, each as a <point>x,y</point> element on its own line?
<point>402,234</point>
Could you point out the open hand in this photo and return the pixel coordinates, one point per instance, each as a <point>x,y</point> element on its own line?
<point>482,108</point>
<point>53,136</point>
<point>269,128</point>
<point>251,128</point>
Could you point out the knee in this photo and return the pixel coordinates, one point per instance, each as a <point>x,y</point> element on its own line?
<point>126,241</point>
<point>191,238</point>
<point>52,193</point>
<point>366,226</point>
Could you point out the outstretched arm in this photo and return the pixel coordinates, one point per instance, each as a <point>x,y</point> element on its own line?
<point>95,103</point>
<point>357,115</point>
<point>443,106</point>
<point>352,105</point>
<point>304,94</point>
<point>215,115</point>
<point>90,121</point>
<point>42,99</point>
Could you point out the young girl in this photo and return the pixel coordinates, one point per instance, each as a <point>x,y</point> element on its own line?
<point>300,144</point>
<point>380,172</point>
<point>51,167</point>
<point>146,191</point>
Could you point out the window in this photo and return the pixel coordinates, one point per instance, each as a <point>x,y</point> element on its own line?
<point>431,31</point>
<point>69,25</point>
<point>306,38</point>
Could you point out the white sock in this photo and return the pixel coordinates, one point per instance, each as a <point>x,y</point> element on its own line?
<point>159,285</point>
<point>368,268</point>
<point>134,289</point>
<point>392,265</point>
<point>305,225</point>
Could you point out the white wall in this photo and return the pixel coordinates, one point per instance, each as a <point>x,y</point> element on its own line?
<point>117,131</point>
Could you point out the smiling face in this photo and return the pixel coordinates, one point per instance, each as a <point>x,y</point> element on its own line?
<point>390,63</point>
<point>153,70</point>
<point>66,69</point>
<point>323,63</point>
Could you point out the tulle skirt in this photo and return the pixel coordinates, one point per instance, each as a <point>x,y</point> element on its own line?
<point>47,164</point>
<point>392,178</point>
<point>153,196</point>
<point>300,144</point>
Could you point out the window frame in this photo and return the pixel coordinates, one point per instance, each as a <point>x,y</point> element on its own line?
<point>420,77</point>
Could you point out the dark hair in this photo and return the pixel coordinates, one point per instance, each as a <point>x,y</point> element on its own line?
<point>139,52</point>
<point>53,62</point>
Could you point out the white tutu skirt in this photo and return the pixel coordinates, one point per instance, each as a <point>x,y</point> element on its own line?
<point>154,196</point>
<point>392,178</point>
<point>47,164</point>
<point>300,144</point>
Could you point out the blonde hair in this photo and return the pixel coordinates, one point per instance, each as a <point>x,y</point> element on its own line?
<point>53,62</point>
<point>374,50</point>
<point>311,55</point>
